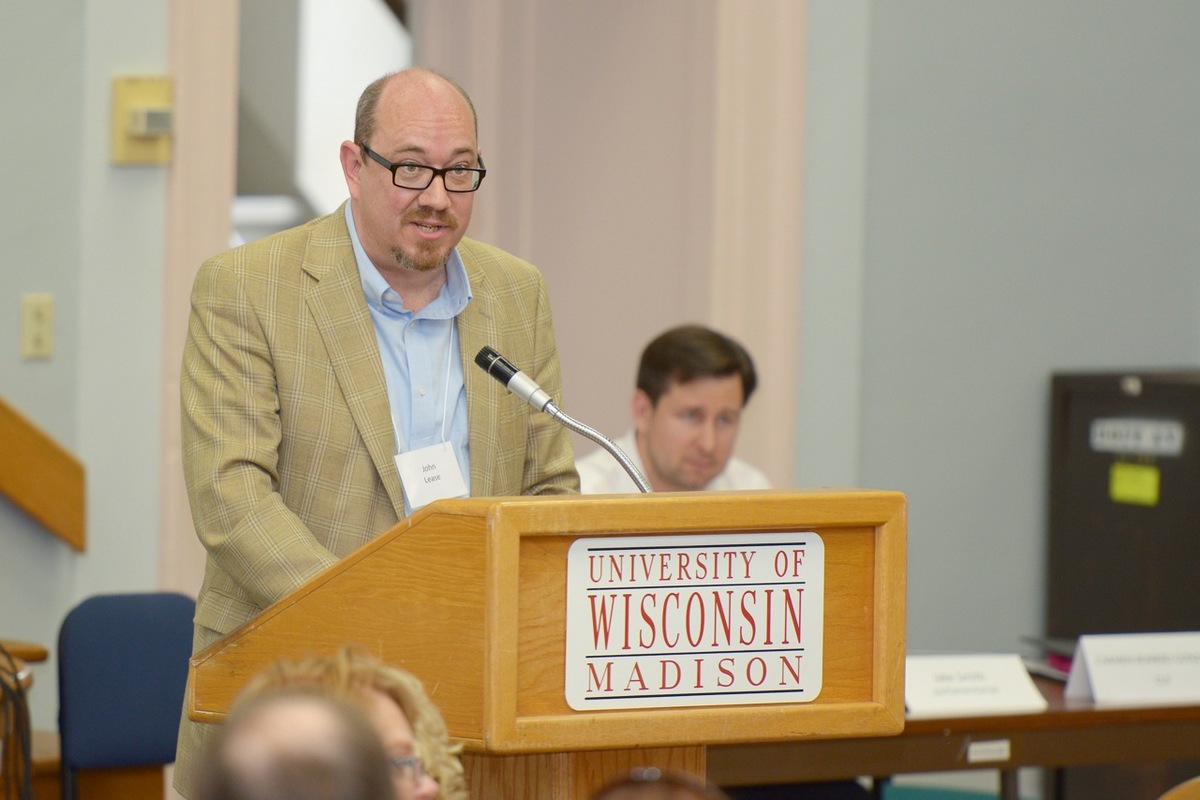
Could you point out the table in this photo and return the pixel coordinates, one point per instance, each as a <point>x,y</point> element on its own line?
<point>1066,734</point>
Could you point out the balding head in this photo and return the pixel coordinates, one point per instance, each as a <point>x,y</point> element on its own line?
<point>409,84</point>
<point>296,746</point>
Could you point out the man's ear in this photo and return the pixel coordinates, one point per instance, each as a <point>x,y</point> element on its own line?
<point>642,408</point>
<point>351,166</point>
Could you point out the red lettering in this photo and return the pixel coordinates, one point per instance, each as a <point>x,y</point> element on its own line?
<point>747,557</point>
<point>722,622</point>
<point>626,645</point>
<point>614,568</point>
<point>663,686</point>
<point>762,665</point>
<point>649,621</point>
<point>647,560</point>
<point>601,682</point>
<point>725,680</point>
<point>694,641</point>
<point>768,640</point>
<point>749,617</point>
<point>666,637</point>
<point>792,615</point>
<point>636,677</point>
<point>793,671</point>
<point>601,620</point>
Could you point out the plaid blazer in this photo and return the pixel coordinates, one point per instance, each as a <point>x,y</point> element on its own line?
<point>288,441</point>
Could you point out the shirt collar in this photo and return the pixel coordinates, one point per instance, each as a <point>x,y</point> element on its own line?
<point>451,300</point>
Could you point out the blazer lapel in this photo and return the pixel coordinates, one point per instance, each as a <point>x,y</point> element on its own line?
<point>476,328</point>
<point>344,323</point>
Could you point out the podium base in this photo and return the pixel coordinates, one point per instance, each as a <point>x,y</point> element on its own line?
<point>570,776</point>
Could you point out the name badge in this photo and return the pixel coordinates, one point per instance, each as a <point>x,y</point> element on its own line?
<point>429,474</point>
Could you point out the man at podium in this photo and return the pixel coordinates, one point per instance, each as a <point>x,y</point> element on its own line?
<point>328,387</point>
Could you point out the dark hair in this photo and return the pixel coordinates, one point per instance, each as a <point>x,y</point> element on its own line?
<point>368,102</point>
<point>652,783</point>
<point>683,354</point>
<point>343,760</point>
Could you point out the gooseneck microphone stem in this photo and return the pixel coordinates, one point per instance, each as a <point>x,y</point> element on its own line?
<point>527,389</point>
<point>603,441</point>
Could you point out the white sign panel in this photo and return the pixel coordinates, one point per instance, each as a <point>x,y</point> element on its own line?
<point>1136,669</point>
<point>959,685</point>
<point>1134,436</point>
<point>695,620</point>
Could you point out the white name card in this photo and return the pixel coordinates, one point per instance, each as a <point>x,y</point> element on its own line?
<point>1136,669</point>
<point>969,685</point>
<point>700,620</point>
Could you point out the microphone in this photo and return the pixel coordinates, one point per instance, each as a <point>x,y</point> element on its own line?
<point>527,389</point>
<point>514,380</point>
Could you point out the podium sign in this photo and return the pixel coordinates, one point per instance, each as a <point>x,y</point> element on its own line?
<point>471,596</point>
<point>694,620</point>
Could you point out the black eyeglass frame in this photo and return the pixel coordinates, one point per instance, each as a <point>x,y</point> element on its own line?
<point>434,172</point>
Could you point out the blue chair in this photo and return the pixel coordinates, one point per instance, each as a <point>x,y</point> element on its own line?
<point>122,668</point>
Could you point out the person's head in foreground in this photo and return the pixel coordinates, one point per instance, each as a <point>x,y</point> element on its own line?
<point>692,384</point>
<point>652,783</point>
<point>425,763</point>
<point>296,745</point>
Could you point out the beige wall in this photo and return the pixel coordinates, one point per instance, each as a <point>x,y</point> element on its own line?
<point>200,189</point>
<point>646,156</point>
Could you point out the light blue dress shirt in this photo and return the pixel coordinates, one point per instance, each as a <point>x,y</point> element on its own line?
<point>421,355</point>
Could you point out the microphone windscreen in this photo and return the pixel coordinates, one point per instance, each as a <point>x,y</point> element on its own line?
<point>495,365</point>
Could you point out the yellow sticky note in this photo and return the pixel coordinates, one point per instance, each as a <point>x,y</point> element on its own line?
<point>1136,484</point>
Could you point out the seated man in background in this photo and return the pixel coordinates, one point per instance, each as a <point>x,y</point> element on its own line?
<point>295,745</point>
<point>692,384</point>
<point>425,763</point>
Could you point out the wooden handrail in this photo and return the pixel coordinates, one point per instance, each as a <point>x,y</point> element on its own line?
<point>26,651</point>
<point>41,477</point>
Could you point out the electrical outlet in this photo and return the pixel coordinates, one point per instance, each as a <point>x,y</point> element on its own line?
<point>37,325</point>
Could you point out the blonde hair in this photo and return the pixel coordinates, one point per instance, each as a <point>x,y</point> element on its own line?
<point>348,674</point>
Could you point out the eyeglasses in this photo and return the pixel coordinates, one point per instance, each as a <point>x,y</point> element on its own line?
<point>414,766</point>
<point>408,175</point>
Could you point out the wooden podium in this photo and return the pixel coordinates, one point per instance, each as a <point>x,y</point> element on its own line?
<point>470,595</point>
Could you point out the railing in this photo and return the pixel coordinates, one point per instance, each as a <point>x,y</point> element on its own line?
<point>40,477</point>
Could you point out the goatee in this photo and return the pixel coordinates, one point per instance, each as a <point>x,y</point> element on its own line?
<point>433,262</point>
<point>425,258</point>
